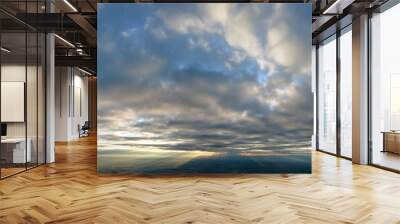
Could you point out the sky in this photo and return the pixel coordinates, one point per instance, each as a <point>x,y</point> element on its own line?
<point>205,77</point>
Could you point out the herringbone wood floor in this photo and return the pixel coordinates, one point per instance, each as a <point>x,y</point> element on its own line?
<point>70,191</point>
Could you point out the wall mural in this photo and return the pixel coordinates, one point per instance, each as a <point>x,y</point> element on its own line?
<point>204,88</point>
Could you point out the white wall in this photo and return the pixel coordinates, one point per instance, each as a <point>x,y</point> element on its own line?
<point>13,101</point>
<point>12,73</point>
<point>17,73</point>
<point>33,126</point>
<point>62,81</point>
<point>71,87</point>
<point>80,104</point>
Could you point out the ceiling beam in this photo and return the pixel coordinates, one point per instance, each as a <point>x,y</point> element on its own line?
<point>86,26</point>
<point>337,6</point>
<point>79,61</point>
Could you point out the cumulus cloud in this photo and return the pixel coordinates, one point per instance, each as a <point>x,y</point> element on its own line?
<point>261,32</point>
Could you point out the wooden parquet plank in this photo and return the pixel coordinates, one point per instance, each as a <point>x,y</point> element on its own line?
<point>70,191</point>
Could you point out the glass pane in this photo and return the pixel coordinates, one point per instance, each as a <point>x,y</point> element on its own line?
<point>346,94</point>
<point>23,90</point>
<point>41,98</point>
<point>13,86</point>
<point>31,97</point>
<point>327,96</point>
<point>313,88</point>
<point>385,94</point>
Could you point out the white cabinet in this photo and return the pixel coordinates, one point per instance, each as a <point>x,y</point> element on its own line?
<point>18,145</point>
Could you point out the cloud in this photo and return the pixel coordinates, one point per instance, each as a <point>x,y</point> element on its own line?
<point>208,76</point>
<point>281,41</point>
<point>242,27</point>
<point>129,32</point>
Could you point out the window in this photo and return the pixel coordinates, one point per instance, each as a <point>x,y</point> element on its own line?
<point>346,92</point>
<point>22,78</point>
<point>327,95</point>
<point>385,89</point>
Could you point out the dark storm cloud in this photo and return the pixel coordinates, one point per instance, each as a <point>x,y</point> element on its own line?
<point>204,77</point>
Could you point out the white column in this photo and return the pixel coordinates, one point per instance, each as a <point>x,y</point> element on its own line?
<point>62,103</point>
<point>50,99</point>
<point>50,92</point>
<point>360,90</point>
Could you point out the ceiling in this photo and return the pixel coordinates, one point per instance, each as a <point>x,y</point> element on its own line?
<point>75,22</point>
